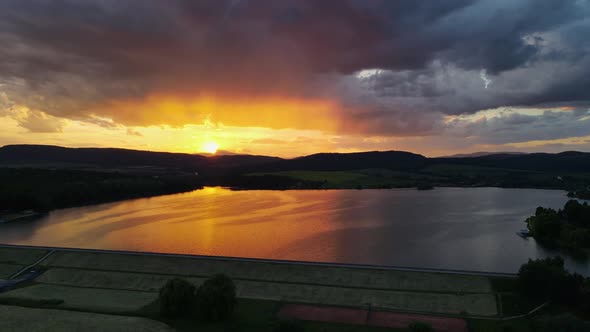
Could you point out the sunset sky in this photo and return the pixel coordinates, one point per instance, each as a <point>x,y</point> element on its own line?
<point>295,77</point>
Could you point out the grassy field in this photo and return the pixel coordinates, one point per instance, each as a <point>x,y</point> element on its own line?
<point>418,300</point>
<point>268,271</point>
<point>333,178</point>
<point>440,175</point>
<point>118,283</point>
<point>330,285</point>
<point>7,270</point>
<point>20,256</point>
<point>32,320</point>
<point>516,325</point>
<point>78,298</point>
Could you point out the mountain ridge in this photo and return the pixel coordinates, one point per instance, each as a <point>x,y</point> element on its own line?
<point>31,155</point>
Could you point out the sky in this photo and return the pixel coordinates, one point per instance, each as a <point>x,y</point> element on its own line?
<point>296,77</point>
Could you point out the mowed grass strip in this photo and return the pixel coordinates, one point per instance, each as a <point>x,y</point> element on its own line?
<point>84,299</point>
<point>275,272</point>
<point>32,320</point>
<point>7,270</point>
<point>22,256</point>
<point>108,279</point>
<point>476,304</point>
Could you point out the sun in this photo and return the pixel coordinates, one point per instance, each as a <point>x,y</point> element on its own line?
<point>210,147</point>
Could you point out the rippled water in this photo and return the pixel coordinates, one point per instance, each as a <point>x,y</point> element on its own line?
<point>451,228</point>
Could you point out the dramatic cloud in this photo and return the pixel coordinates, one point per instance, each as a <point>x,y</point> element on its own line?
<point>350,67</point>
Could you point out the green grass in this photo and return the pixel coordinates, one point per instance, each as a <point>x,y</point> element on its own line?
<point>515,325</point>
<point>366,178</point>
<point>440,175</point>
<point>332,178</point>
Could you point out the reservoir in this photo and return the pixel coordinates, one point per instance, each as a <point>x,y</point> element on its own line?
<point>448,228</point>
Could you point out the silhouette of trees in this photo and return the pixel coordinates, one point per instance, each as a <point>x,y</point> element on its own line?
<point>216,298</point>
<point>177,298</point>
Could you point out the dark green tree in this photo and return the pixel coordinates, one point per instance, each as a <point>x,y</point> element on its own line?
<point>216,298</point>
<point>546,279</point>
<point>177,298</point>
<point>545,223</point>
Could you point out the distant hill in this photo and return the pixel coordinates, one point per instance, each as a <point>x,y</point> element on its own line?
<point>32,155</point>
<point>569,161</point>
<point>395,160</point>
<point>481,154</point>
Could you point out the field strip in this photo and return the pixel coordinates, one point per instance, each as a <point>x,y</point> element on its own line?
<point>61,275</point>
<point>476,304</point>
<point>41,320</point>
<point>20,255</point>
<point>39,261</point>
<point>297,274</point>
<point>7,270</point>
<point>268,261</point>
<point>77,298</point>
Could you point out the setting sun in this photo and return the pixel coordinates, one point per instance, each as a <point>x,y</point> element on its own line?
<point>210,147</point>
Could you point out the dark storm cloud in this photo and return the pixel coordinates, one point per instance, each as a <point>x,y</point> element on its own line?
<point>73,58</point>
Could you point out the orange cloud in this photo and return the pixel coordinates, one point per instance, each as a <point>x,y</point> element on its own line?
<point>269,112</point>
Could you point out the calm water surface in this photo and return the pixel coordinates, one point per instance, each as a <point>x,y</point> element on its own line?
<point>452,228</point>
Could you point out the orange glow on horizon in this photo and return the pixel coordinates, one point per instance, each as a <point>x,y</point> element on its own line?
<point>269,112</point>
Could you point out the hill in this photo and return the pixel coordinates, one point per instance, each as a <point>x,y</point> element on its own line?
<point>569,161</point>
<point>480,154</point>
<point>375,169</point>
<point>106,159</point>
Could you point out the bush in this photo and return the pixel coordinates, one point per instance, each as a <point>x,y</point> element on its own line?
<point>177,298</point>
<point>420,327</point>
<point>216,298</point>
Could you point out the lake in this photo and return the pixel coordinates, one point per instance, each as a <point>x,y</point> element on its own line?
<point>449,228</point>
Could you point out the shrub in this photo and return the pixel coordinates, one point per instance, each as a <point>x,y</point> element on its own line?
<point>420,327</point>
<point>177,298</point>
<point>216,298</point>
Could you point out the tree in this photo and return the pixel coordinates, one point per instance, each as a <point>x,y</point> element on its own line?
<point>577,213</point>
<point>545,223</point>
<point>216,298</point>
<point>546,279</point>
<point>177,298</point>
